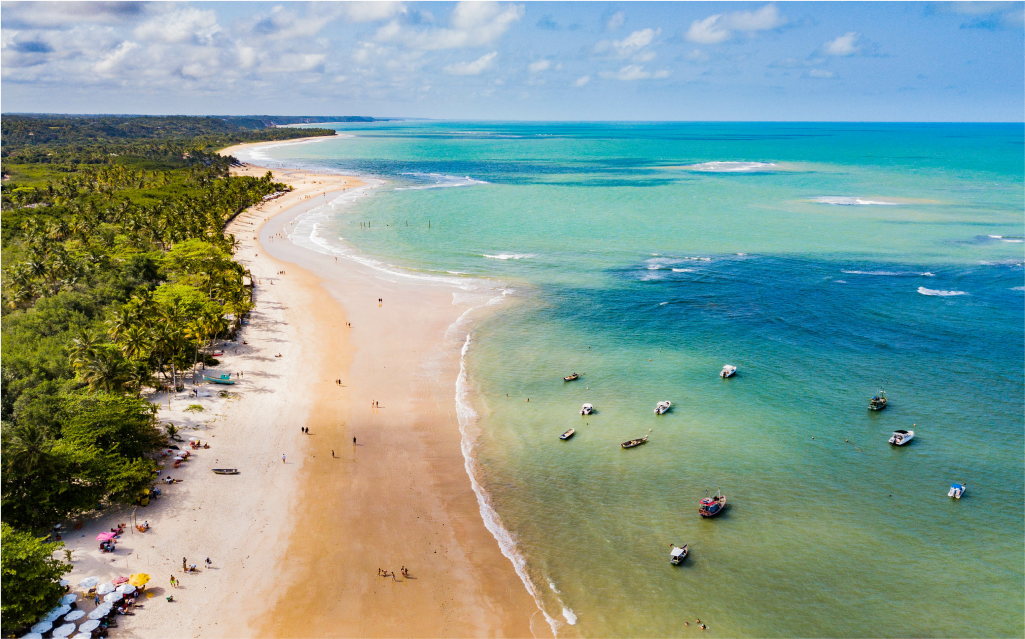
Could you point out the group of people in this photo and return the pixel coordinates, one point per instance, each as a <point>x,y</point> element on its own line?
<point>381,572</point>
<point>109,545</point>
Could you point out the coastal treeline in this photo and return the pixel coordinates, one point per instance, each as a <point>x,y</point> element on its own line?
<point>116,273</point>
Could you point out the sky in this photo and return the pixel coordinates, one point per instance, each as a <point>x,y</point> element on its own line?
<point>824,61</point>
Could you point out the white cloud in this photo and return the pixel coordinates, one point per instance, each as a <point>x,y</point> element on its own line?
<point>633,45</point>
<point>616,21</point>
<point>633,72</point>
<point>112,60</point>
<point>372,11</point>
<point>720,27</point>
<point>471,68</point>
<point>539,66</point>
<point>820,73</point>
<point>184,25</point>
<point>847,44</point>
<point>582,80</point>
<point>697,55</point>
<point>472,24</point>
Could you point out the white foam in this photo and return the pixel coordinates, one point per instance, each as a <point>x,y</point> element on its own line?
<point>837,200</point>
<point>662,303</point>
<point>929,291</point>
<point>441,181</point>
<point>256,154</point>
<point>1018,288</point>
<point>509,256</point>
<point>891,273</point>
<point>571,618</point>
<point>684,270</point>
<point>731,167</point>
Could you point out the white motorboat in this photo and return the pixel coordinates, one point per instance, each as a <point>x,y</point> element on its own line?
<point>728,370</point>
<point>586,409</point>
<point>901,437</point>
<point>662,407</point>
<point>956,490</point>
<point>677,554</point>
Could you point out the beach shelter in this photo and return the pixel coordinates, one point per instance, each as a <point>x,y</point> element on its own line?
<point>105,536</point>
<point>104,589</point>
<point>125,589</point>
<point>64,582</point>
<point>139,579</point>
<point>88,582</point>
<point>42,626</point>
<point>74,615</point>
<point>69,598</point>
<point>99,613</point>
<point>120,580</point>
<point>64,630</point>
<point>89,626</point>
<point>60,612</point>
<point>32,635</point>
<point>113,597</point>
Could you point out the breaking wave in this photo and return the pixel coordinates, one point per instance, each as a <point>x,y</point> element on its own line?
<point>836,200</point>
<point>509,256</point>
<point>731,167</point>
<point>440,181</point>
<point>935,292</point>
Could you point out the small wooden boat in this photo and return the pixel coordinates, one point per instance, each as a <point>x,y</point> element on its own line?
<point>220,380</point>
<point>586,409</point>
<point>226,471</point>
<point>712,506</point>
<point>571,377</point>
<point>636,442</point>
<point>569,433</point>
<point>217,353</point>
<point>728,370</point>
<point>678,554</point>
<point>901,437</point>
<point>956,490</point>
<point>662,407</point>
<point>878,402</point>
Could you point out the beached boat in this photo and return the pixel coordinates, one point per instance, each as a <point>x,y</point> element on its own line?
<point>569,433</point>
<point>878,402</point>
<point>712,506</point>
<point>956,490</point>
<point>226,471</point>
<point>678,554</point>
<point>662,407</point>
<point>636,442</point>
<point>219,380</point>
<point>901,437</point>
<point>571,377</point>
<point>728,370</point>
<point>586,409</point>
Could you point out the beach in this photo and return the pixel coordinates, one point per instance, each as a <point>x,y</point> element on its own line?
<point>296,540</point>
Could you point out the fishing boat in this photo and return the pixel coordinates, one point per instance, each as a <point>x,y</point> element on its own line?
<point>571,377</point>
<point>901,437</point>
<point>569,433</point>
<point>226,471</point>
<point>728,370</point>
<point>956,490</point>
<point>878,402</point>
<point>712,506</point>
<point>223,379</point>
<point>662,407</point>
<point>586,409</point>
<point>636,442</point>
<point>678,554</point>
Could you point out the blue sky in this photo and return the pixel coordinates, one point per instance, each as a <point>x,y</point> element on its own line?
<point>857,61</point>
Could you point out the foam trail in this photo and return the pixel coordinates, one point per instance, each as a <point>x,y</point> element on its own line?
<point>933,292</point>
<point>891,273</point>
<point>836,200</point>
<point>731,167</point>
<point>441,181</point>
<point>509,256</point>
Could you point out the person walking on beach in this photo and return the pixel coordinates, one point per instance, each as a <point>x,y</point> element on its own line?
<point>353,441</point>
<point>184,565</point>
<point>282,458</point>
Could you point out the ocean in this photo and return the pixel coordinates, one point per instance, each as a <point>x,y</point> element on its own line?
<point>826,261</point>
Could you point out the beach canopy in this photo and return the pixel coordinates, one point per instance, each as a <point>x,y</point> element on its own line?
<point>125,589</point>
<point>104,589</point>
<point>69,598</point>
<point>112,597</point>
<point>42,626</point>
<point>139,579</point>
<point>32,635</point>
<point>105,536</point>
<point>74,615</point>
<point>64,630</point>
<point>64,582</point>
<point>89,626</point>
<point>120,580</point>
<point>63,610</point>
<point>88,582</point>
<point>101,612</point>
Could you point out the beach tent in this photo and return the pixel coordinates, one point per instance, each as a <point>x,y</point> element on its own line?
<point>105,536</point>
<point>99,613</point>
<point>32,635</point>
<point>88,582</point>
<point>64,582</point>
<point>64,630</point>
<point>104,589</point>
<point>113,597</point>
<point>125,589</point>
<point>69,598</point>
<point>120,580</point>
<point>89,626</point>
<point>74,615</point>
<point>42,626</point>
<point>139,579</point>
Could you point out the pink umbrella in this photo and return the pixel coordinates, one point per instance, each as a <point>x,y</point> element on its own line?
<point>120,580</point>
<point>106,536</point>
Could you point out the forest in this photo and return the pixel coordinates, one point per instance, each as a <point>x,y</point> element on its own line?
<point>116,275</point>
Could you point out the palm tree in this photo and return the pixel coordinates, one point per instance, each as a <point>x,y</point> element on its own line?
<point>135,342</point>
<point>27,448</point>
<point>106,369</point>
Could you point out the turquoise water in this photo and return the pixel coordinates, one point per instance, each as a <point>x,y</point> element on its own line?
<point>827,262</point>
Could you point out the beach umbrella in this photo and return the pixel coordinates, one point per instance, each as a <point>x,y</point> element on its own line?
<point>139,579</point>
<point>105,536</point>
<point>32,635</point>
<point>89,626</point>
<point>69,598</point>
<point>52,615</point>
<point>74,615</point>
<point>64,582</point>
<point>88,582</point>
<point>42,626</point>
<point>83,635</point>
<point>63,610</point>
<point>112,597</point>
<point>193,439</point>
<point>104,589</point>
<point>100,612</point>
<point>125,589</point>
<point>119,580</point>
<point>64,630</point>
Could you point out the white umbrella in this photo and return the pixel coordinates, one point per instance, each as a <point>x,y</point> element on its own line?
<point>88,582</point>
<point>100,612</point>
<point>52,615</point>
<point>64,630</point>
<point>89,626</point>
<point>69,598</point>
<point>125,589</point>
<point>32,635</point>
<point>112,597</point>
<point>83,635</point>
<point>42,626</point>
<point>104,589</point>
<point>194,439</point>
<point>64,582</point>
<point>74,615</point>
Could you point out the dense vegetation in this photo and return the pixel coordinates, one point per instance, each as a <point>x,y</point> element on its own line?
<point>116,273</point>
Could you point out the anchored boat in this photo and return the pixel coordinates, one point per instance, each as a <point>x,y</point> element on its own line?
<point>662,407</point>
<point>223,379</point>
<point>878,402</point>
<point>956,490</point>
<point>571,377</point>
<point>569,433</point>
<point>586,409</point>
<point>226,471</point>
<point>728,370</point>
<point>678,554</point>
<point>712,506</point>
<point>901,437</point>
<point>636,442</point>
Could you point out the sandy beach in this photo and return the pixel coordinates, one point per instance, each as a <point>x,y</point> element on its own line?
<point>296,542</point>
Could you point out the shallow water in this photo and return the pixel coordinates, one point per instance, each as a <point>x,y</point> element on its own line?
<point>827,262</point>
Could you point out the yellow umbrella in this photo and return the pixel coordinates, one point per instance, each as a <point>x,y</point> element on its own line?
<point>139,579</point>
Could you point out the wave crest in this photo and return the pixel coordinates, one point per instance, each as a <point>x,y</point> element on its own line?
<point>731,167</point>
<point>837,200</point>
<point>509,256</point>
<point>939,293</point>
